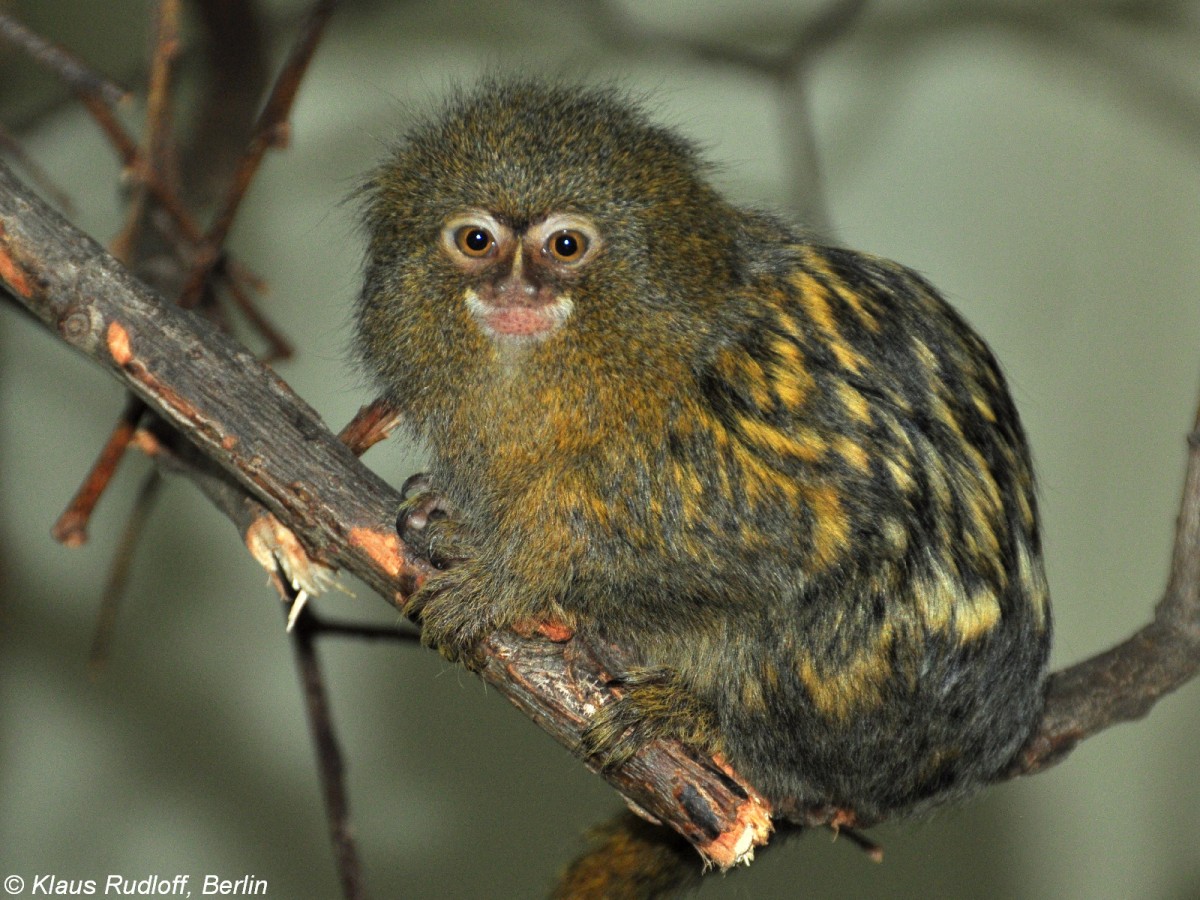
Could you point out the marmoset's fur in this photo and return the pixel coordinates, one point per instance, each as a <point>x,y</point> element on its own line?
<point>787,475</point>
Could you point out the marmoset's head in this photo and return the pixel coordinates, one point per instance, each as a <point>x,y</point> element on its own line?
<point>525,208</point>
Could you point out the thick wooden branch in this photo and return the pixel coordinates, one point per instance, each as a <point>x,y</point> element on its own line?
<point>259,437</point>
<point>212,390</point>
<point>268,443</point>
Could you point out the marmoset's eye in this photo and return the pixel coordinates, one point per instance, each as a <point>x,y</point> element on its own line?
<point>568,245</point>
<point>474,241</point>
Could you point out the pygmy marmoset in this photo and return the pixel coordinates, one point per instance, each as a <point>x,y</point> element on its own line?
<point>786,475</point>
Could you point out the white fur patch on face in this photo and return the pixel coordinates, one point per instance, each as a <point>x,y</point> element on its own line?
<point>520,324</point>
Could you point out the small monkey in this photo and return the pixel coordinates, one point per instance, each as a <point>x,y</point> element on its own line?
<point>785,475</point>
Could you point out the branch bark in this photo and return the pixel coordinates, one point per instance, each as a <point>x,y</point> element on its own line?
<point>267,443</point>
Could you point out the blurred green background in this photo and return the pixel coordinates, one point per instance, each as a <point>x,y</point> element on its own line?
<point>1040,162</point>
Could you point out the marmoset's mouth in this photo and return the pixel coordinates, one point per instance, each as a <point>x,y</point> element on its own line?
<point>535,322</point>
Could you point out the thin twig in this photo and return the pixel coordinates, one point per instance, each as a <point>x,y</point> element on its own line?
<point>270,131</point>
<point>786,69</point>
<point>158,147</point>
<point>371,424</point>
<point>862,842</point>
<point>160,144</point>
<point>329,757</point>
<point>135,163</point>
<point>99,95</point>
<point>828,26</point>
<point>118,575</point>
<point>71,527</point>
<point>332,628</point>
<point>809,38</point>
<point>237,70</point>
<point>39,176</point>
<point>278,346</point>
<point>61,62</point>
